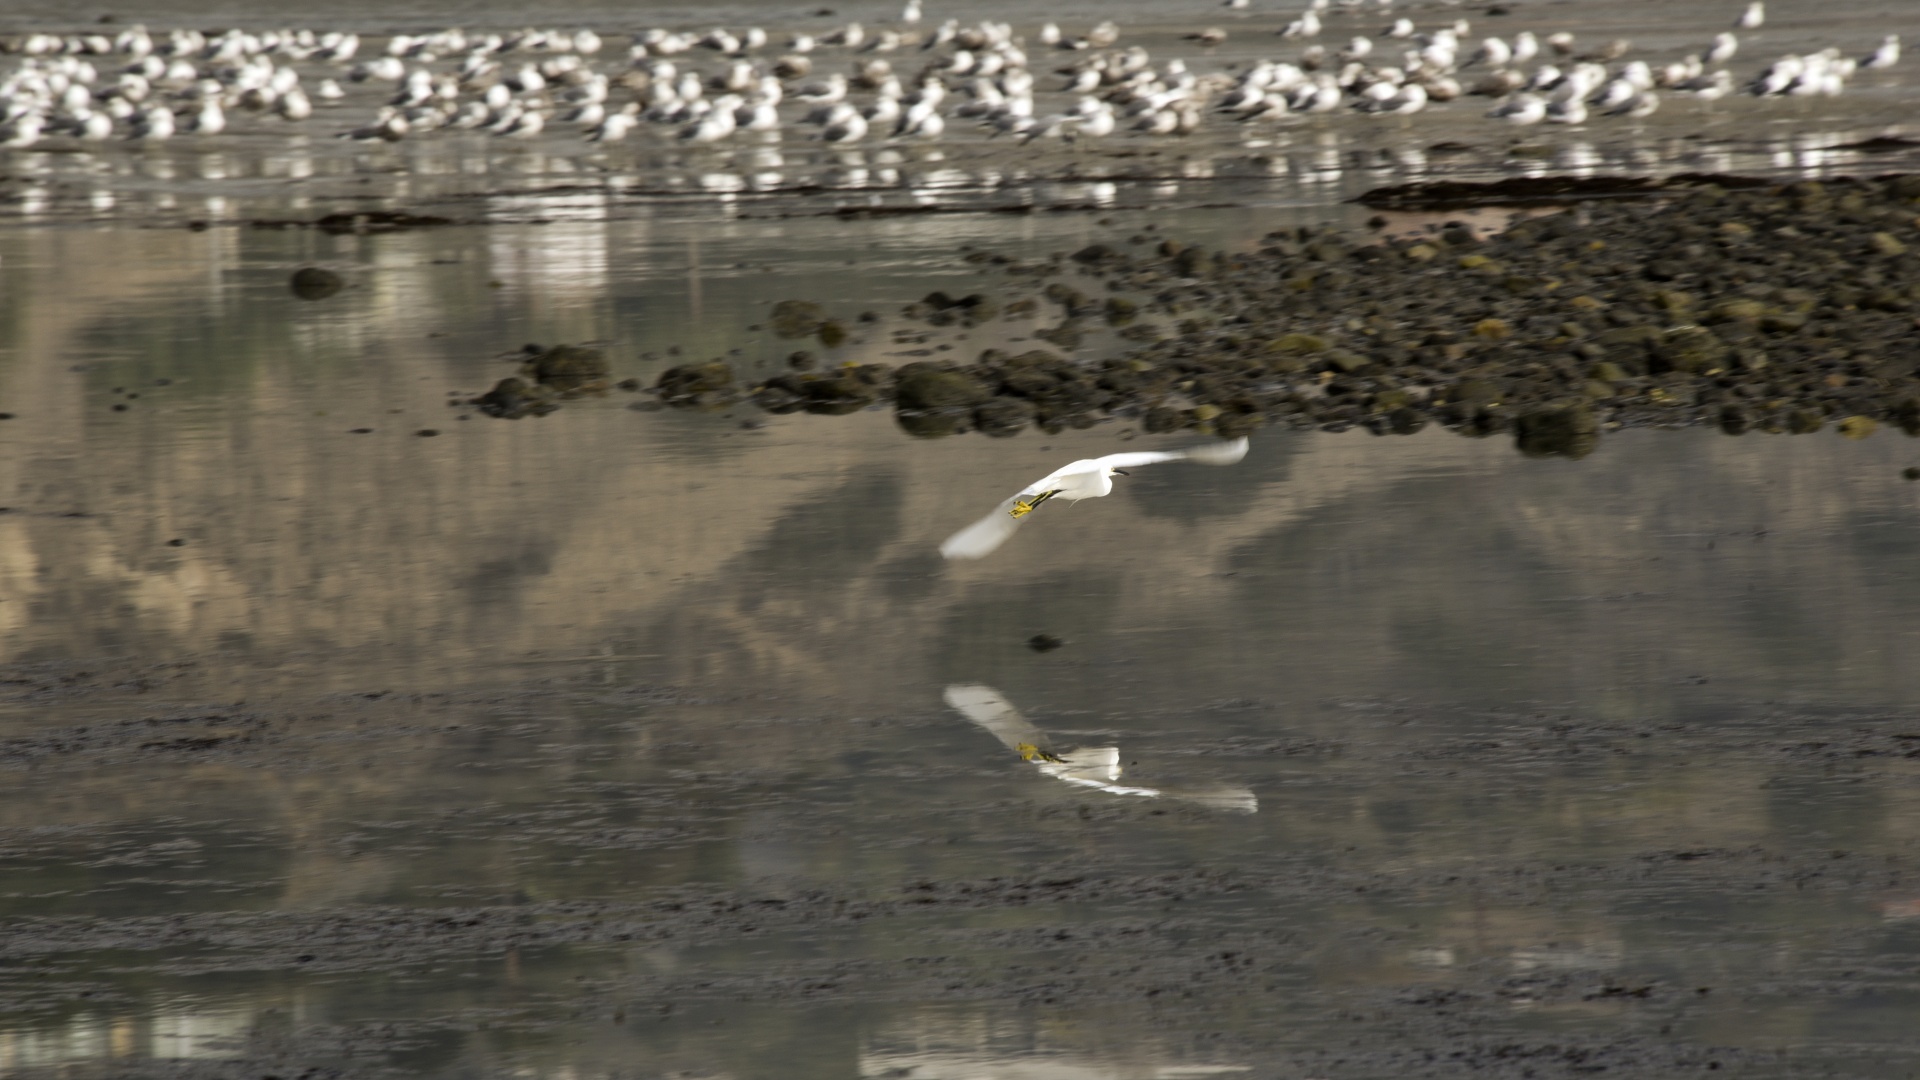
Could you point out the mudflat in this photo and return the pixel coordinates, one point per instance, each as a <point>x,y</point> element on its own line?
<point>471,604</point>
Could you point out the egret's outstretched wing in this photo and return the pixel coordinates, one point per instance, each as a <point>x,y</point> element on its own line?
<point>1143,457</point>
<point>1224,453</point>
<point>979,539</point>
<point>1066,475</point>
<point>984,706</point>
<point>1220,453</point>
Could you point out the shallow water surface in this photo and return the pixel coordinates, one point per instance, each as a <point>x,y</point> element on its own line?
<point>262,168</point>
<point>616,741</point>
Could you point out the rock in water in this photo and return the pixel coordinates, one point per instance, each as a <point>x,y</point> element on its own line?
<point>1569,431</point>
<point>937,424</point>
<point>797,318</point>
<point>698,386</point>
<point>513,398</point>
<point>570,368</point>
<point>1003,417</point>
<point>313,283</point>
<point>928,386</point>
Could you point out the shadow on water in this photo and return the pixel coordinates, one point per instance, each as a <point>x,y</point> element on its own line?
<point>783,598</point>
<point>830,539</point>
<point>496,580</point>
<point>1202,496</point>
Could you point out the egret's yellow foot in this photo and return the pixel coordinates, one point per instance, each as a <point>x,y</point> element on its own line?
<point>1023,507</point>
<point>1030,752</point>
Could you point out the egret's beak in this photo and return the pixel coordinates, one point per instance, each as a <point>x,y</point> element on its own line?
<point>1121,472</point>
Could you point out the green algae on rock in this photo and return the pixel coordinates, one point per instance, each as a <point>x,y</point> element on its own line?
<point>514,398</point>
<point>546,377</point>
<point>842,390</point>
<point>569,368</point>
<point>929,386</point>
<point>797,318</point>
<point>698,386</point>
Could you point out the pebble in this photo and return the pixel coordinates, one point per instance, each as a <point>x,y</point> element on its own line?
<point>1801,317</point>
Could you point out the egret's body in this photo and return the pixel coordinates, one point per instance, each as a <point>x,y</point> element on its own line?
<point>1088,478</point>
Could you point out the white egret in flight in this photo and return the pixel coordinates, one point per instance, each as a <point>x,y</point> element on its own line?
<point>1088,478</point>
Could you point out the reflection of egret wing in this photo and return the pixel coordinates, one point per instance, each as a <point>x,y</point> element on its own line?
<point>1096,767</point>
<point>1088,762</point>
<point>979,539</point>
<point>984,706</point>
<point>1236,800</point>
<point>1089,766</point>
<point>1111,789</point>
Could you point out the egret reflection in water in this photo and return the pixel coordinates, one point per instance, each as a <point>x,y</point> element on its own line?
<point>1096,767</point>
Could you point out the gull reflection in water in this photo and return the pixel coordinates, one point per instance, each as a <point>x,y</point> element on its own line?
<point>1096,767</point>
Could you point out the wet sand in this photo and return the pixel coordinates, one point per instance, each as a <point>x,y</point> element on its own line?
<point>1551,771</point>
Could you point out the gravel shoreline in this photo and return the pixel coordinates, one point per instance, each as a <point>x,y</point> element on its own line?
<point>1788,308</point>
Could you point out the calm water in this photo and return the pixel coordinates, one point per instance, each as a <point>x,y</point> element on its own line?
<point>1603,755</point>
<point>265,168</point>
<point>627,656</point>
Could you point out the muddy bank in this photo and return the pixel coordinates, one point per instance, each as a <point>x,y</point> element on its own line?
<point>1781,309</point>
<point>1445,964</point>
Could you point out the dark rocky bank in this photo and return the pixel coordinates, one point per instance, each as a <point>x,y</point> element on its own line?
<point>1787,308</point>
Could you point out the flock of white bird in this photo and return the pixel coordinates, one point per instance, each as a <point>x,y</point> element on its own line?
<point>901,81</point>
